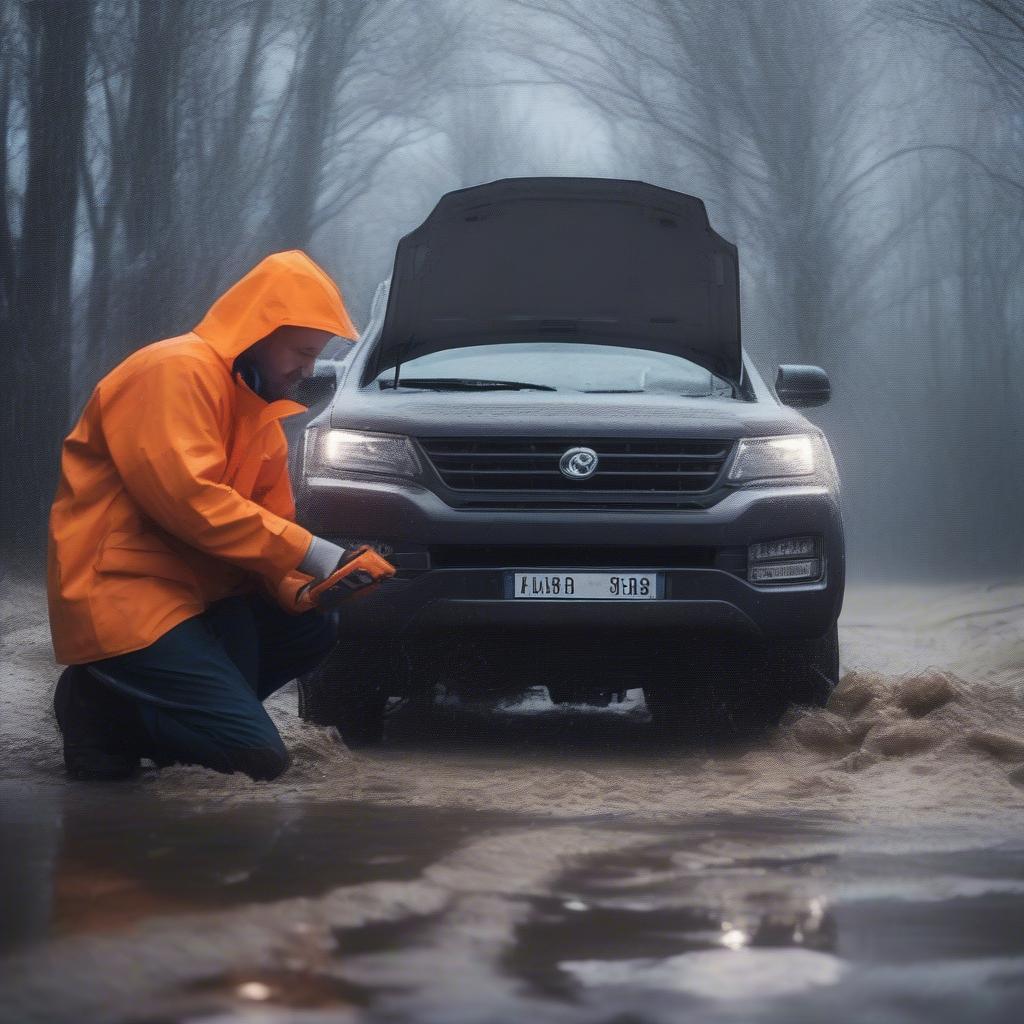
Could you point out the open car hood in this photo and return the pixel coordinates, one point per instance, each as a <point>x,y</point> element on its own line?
<point>597,260</point>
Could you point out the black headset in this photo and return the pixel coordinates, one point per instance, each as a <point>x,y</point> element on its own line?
<point>249,372</point>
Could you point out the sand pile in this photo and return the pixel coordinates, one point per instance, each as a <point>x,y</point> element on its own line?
<point>928,723</point>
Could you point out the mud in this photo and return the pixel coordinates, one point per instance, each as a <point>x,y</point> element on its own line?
<point>528,861</point>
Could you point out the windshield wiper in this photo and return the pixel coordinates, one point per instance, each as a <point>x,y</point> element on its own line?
<point>464,384</point>
<point>644,391</point>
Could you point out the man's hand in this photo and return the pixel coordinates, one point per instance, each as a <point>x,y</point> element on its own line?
<point>357,571</point>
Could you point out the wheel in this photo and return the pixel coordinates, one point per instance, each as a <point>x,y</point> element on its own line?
<point>699,693</point>
<point>349,689</point>
<point>725,689</point>
<point>806,670</point>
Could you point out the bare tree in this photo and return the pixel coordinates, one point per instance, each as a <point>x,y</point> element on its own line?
<point>165,163</point>
<point>12,56</point>
<point>38,260</point>
<point>399,66</point>
<point>216,133</point>
<point>991,30</point>
<point>265,119</point>
<point>772,140</point>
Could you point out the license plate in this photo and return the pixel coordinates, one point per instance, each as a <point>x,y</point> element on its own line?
<point>586,586</point>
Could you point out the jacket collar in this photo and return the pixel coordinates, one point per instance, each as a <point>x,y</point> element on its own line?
<point>266,411</point>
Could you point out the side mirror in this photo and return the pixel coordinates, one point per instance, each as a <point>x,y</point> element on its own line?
<point>802,386</point>
<point>315,389</point>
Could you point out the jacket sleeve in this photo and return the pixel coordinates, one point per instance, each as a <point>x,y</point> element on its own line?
<point>279,497</point>
<point>163,431</point>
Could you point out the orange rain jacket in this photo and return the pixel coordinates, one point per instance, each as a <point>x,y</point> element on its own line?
<point>174,488</point>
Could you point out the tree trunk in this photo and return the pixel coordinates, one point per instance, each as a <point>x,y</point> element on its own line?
<point>35,386</point>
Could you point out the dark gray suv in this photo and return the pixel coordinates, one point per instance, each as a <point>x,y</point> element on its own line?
<point>552,430</point>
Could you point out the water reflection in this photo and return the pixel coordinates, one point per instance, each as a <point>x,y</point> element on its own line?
<point>30,837</point>
<point>81,858</point>
<point>665,915</point>
<point>719,976</point>
<point>405,913</point>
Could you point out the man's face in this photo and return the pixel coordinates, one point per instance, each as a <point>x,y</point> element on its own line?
<point>286,356</point>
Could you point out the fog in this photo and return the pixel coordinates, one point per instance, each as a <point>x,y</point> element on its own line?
<point>856,861</point>
<point>864,157</point>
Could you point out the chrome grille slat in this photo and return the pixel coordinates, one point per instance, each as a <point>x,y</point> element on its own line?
<point>608,455</point>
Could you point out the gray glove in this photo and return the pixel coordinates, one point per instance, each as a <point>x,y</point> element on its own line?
<point>321,559</point>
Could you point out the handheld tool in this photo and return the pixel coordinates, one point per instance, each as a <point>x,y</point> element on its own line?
<point>359,571</point>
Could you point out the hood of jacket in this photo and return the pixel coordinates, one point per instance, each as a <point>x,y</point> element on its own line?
<point>283,288</point>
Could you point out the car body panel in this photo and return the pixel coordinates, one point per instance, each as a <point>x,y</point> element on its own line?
<point>601,260</point>
<point>420,530</point>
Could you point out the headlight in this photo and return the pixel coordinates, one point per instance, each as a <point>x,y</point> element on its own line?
<point>332,452</point>
<point>769,458</point>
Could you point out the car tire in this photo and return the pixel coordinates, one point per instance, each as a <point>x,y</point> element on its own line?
<point>808,670</point>
<point>697,692</point>
<point>350,688</point>
<point>720,690</point>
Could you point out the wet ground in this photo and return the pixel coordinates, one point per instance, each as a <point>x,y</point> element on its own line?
<point>863,862</point>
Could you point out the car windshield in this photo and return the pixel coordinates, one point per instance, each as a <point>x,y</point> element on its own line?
<point>337,349</point>
<point>566,366</point>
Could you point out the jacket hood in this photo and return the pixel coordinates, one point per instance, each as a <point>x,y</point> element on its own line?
<point>283,288</point>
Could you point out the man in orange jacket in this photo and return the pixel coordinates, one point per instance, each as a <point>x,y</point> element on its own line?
<point>178,580</point>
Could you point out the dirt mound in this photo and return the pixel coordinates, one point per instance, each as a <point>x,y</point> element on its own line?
<point>1000,745</point>
<point>920,694</point>
<point>962,730</point>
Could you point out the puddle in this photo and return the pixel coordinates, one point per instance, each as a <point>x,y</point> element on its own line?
<point>670,899</point>
<point>692,916</point>
<point>75,861</point>
<point>363,912</point>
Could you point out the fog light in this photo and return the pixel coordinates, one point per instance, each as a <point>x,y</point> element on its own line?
<point>789,547</point>
<point>806,569</point>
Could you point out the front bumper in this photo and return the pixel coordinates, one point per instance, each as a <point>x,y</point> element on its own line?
<point>435,592</point>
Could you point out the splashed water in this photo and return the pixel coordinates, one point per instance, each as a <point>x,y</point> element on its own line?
<point>928,718</point>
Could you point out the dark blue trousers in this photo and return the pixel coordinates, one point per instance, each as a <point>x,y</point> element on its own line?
<point>198,690</point>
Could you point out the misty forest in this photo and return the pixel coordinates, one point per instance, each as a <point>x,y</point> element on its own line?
<point>678,786</point>
<point>865,156</point>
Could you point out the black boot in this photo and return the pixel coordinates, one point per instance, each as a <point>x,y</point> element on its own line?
<point>91,719</point>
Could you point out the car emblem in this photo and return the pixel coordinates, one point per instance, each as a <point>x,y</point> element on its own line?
<point>578,463</point>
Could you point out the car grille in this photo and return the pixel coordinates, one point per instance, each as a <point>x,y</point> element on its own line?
<point>518,472</point>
